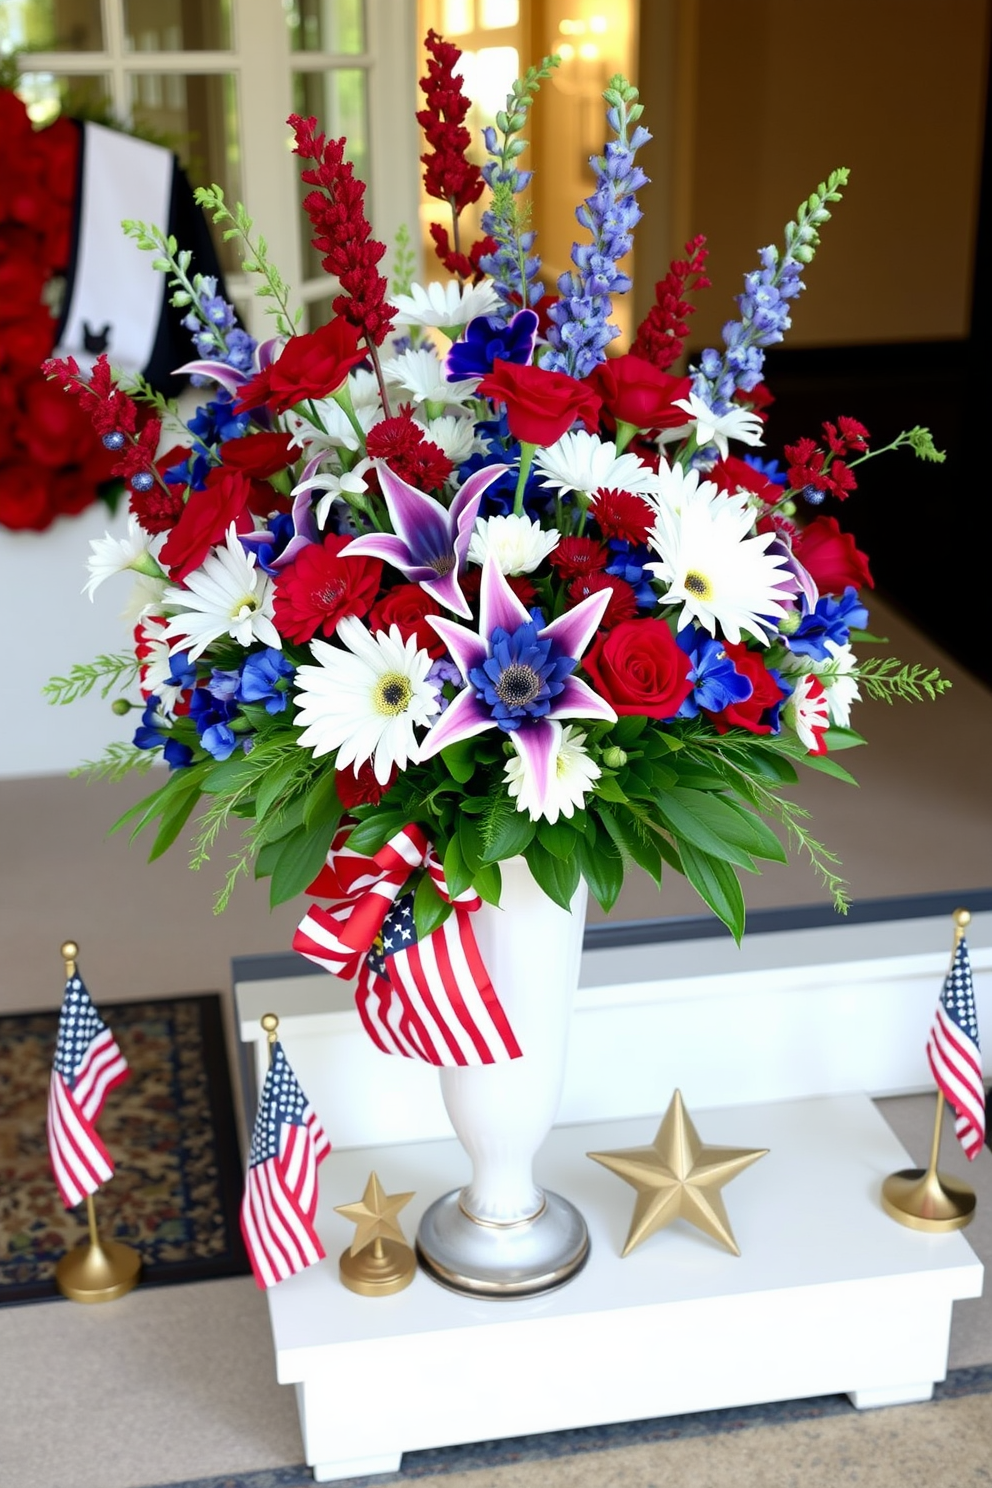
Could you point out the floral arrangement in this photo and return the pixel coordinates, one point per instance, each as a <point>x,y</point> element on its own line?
<point>446,563</point>
<point>50,462</point>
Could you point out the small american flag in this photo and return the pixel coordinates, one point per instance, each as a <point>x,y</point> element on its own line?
<point>88,1064</point>
<point>431,998</point>
<point>428,998</point>
<point>280,1199</point>
<point>954,1053</point>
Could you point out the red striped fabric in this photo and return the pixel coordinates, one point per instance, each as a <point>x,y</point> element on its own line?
<point>88,1064</point>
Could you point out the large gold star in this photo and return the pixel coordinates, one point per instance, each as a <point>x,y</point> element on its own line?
<point>679,1177</point>
<point>375,1215</point>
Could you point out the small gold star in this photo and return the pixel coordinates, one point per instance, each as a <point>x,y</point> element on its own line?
<point>678,1177</point>
<point>375,1215</point>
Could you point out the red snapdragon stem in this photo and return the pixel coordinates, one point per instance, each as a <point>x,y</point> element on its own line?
<point>343,236</point>
<point>449,175</point>
<point>661,335</point>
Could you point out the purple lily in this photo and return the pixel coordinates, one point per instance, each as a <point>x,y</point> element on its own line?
<point>429,542</point>
<point>518,677</point>
<point>230,378</point>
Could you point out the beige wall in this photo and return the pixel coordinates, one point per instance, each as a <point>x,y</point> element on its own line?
<point>752,104</point>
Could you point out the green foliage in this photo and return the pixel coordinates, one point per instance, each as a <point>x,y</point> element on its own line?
<point>115,673</point>
<point>887,678</point>
<point>254,255</point>
<point>117,761</point>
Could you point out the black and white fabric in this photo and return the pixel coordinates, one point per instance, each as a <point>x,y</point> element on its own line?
<point>115,302</point>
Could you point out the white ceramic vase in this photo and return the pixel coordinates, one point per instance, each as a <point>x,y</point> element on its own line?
<point>502,1235</point>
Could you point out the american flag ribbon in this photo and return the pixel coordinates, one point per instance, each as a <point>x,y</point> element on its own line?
<point>88,1064</point>
<point>425,997</point>
<point>955,1054</point>
<point>280,1199</point>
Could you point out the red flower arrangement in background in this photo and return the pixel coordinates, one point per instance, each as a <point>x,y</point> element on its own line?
<point>51,461</point>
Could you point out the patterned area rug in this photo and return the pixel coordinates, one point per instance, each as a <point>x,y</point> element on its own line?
<point>170,1129</point>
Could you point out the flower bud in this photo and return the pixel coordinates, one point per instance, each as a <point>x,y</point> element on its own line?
<point>614,757</point>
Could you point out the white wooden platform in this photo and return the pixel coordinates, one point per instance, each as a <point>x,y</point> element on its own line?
<point>828,1295</point>
<point>772,1046</point>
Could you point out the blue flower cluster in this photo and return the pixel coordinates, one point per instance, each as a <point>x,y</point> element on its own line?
<point>765,318</point>
<point>512,267</point>
<point>716,683</point>
<point>216,707</point>
<point>581,330</point>
<point>832,620</point>
<point>521,676</point>
<point>216,334</point>
<point>212,425</point>
<point>487,339</point>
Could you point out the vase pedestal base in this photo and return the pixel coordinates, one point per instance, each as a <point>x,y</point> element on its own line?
<point>481,1259</point>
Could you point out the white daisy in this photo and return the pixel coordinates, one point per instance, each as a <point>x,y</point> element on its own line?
<point>517,544</point>
<point>448,306</point>
<point>421,374</point>
<point>111,555</point>
<point>335,430</point>
<point>365,702</point>
<point>454,434</point>
<point>572,776</point>
<point>834,671</point>
<point>156,674</point>
<point>721,576</point>
<point>145,598</point>
<point>584,462</point>
<point>677,487</point>
<point>718,428</point>
<point>228,595</point>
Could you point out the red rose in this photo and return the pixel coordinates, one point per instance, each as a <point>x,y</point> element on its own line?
<point>635,392</point>
<point>260,455</point>
<point>24,500</point>
<point>406,607</point>
<point>734,475</point>
<point>55,432</point>
<point>204,522</point>
<point>309,366</point>
<point>639,669</point>
<point>319,588</point>
<point>540,406</point>
<point>832,557</point>
<point>754,714</point>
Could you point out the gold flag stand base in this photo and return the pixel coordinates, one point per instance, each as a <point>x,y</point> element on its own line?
<point>98,1273</point>
<point>98,1270</point>
<point>927,1200</point>
<point>384,1267</point>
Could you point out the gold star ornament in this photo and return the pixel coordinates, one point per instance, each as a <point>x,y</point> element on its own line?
<point>379,1261</point>
<point>679,1177</point>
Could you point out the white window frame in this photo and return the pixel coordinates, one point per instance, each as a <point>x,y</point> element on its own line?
<point>262,64</point>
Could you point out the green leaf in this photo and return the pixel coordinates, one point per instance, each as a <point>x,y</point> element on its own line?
<point>303,855</point>
<point>274,783</point>
<point>558,837</point>
<point>374,831</point>
<point>627,729</point>
<point>514,832</point>
<point>429,909</point>
<point>322,801</point>
<point>707,823</point>
<point>470,843</point>
<point>266,859</point>
<point>717,885</point>
<point>456,874</point>
<point>488,883</point>
<point>827,766</point>
<point>608,788</point>
<point>841,738</point>
<point>558,879</point>
<point>634,840</point>
<point>459,760</point>
<point>761,840</point>
<point>174,817</point>
<point>601,866</point>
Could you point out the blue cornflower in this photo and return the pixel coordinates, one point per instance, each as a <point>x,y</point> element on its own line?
<point>832,620</point>
<point>521,675</point>
<point>628,563</point>
<point>512,267</point>
<point>716,682</point>
<point>580,329</point>
<point>487,338</point>
<point>223,686</point>
<point>214,328</point>
<point>260,678</point>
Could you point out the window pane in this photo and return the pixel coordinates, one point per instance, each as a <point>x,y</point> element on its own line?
<point>318,313</point>
<point>495,14</point>
<point>51,25</point>
<point>197,116</point>
<point>336,26</point>
<point>177,25</point>
<point>338,101</point>
<point>47,94</point>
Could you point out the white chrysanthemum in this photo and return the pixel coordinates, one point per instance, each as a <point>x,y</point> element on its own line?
<point>584,462</point>
<point>454,434</point>
<point>336,485</point>
<point>447,306</point>
<point>517,544</point>
<point>834,671</point>
<point>112,555</point>
<point>722,577</point>
<point>808,712</point>
<point>718,428</point>
<point>227,596</point>
<point>421,374</point>
<point>677,488</point>
<point>156,673</point>
<point>334,430</point>
<point>145,598</point>
<point>572,777</point>
<point>365,702</point>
